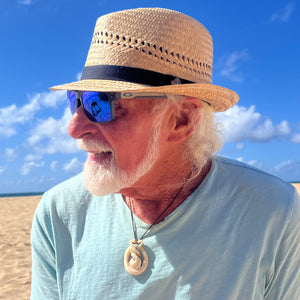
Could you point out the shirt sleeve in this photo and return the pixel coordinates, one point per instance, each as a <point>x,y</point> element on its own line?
<point>44,283</point>
<point>285,281</point>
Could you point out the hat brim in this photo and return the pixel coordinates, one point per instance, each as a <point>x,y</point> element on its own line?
<point>218,97</point>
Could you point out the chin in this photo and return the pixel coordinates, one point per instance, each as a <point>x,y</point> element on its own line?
<point>101,181</point>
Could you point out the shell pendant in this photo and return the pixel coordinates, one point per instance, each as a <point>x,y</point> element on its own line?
<point>135,258</point>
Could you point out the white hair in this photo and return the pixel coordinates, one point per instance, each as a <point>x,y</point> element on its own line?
<point>205,140</point>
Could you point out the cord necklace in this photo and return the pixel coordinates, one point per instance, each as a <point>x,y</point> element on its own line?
<point>135,257</point>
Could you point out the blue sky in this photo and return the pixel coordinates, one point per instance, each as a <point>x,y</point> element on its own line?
<point>45,42</point>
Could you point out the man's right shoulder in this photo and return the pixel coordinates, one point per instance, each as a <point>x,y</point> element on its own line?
<point>66,198</point>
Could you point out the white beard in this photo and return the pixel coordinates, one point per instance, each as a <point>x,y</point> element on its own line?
<point>107,178</point>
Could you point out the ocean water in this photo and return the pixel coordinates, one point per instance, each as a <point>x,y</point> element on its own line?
<point>21,194</point>
<point>41,193</point>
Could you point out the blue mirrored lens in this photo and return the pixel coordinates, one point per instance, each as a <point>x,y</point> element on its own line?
<point>97,106</point>
<point>72,101</point>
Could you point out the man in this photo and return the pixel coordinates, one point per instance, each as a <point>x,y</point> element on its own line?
<point>155,215</point>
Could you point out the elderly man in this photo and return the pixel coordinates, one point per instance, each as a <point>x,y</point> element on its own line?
<point>155,214</point>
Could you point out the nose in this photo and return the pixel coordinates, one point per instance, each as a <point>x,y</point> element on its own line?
<point>80,126</point>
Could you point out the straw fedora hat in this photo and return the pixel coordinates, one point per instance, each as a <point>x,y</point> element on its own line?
<point>152,50</point>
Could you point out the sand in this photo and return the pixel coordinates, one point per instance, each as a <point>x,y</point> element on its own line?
<point>297,186</point>
<point>15,252</point>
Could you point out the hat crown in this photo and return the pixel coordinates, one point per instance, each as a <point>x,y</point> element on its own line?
<point>152,50</point>
<point>156,39</point>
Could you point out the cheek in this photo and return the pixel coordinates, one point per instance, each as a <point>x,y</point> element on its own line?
<point>131,134</point>
<point>131,144</point>
<point>133,150</point>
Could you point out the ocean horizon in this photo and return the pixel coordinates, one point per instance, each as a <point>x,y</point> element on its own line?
<point>21,194</point>
<point>4,195</point>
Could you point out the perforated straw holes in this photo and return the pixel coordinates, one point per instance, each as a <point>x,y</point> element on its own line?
<point>172,44</point>
<point>191,64</point>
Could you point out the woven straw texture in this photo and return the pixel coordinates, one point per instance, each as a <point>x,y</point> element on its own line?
<point>160,40</point>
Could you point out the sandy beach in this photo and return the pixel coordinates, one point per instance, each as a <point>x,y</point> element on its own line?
<point>15,251</point>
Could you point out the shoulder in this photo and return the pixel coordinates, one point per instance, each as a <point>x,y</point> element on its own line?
<point>67,198</point>
<point>239,173</point>
<point>251,185</point>
<point>73,187</point>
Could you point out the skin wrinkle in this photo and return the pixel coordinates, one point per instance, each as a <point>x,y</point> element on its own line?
<point>141,206</point>
<point>118,178</point>
<point>154,180</point>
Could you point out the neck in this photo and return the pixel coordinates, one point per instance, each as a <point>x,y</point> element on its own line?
<point>149,201</point>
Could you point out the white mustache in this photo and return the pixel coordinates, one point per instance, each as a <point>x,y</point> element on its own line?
<point>93,146</point>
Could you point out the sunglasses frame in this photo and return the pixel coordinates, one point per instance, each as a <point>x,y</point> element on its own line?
<point>112,97</point>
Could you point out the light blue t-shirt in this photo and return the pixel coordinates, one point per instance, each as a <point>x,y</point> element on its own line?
<point>237,236</point>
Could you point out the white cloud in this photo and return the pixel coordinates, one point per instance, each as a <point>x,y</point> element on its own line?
<point>266,131</point>
<point>50,99</point>
<point>12,115</point>
<point>241,124</point>
<point>282,165</point>
<point>51,136</point>
<point>284,14</point>
<point>288,169</point>
<point>296,138</point>
<point>78,76</point>
<point>27,167</point>
<point>240,146</point>
<point>230,65</point>
<point>255,163</point>
<point>73,166</point>
<point>2,169</point>
<point>25,2</point>
<point>33,157</point>
<point>6,131</point>
<point>10,154</point>
<point>53,165</point>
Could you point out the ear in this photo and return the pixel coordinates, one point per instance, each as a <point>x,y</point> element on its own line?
<point>185,119</point>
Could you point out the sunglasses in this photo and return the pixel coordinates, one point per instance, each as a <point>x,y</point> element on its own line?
<point>99,106</point>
